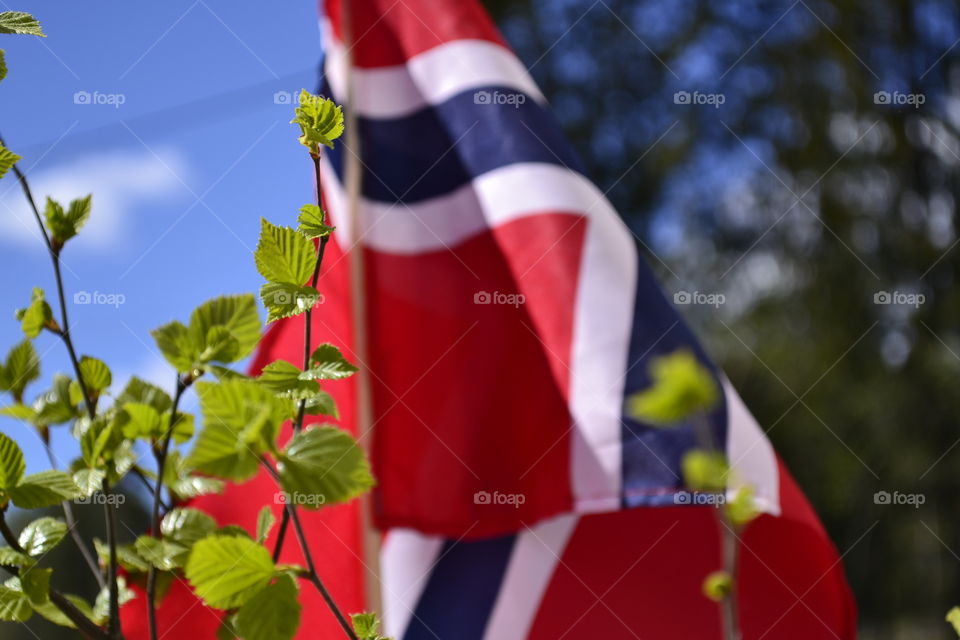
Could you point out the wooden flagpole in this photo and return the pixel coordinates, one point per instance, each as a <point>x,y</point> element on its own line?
<point>353,176</point>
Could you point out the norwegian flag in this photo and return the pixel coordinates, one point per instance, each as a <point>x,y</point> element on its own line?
<point>508,316</point>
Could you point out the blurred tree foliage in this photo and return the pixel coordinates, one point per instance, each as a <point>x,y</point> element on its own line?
<point>800,198</point>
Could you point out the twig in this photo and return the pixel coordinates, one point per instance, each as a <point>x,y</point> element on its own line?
<point>84,624</point>
<point>312,574</point>
<point>113,626</point>
<point>307,340</point>
<point>72,521</point>
<point>161,456</point>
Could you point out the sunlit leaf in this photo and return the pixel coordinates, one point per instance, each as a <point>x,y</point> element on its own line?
<point>227,571</point>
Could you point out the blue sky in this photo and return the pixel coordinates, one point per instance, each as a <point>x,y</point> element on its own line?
<point>166,112</point>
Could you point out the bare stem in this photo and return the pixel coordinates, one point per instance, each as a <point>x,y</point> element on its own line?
<point>312,574</point>
<point>88,556</point>
<point>729,547</point>
<point>161,456</point>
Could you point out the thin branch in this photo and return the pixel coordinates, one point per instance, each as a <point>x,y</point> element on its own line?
<point>161,456</point>
<point>312,574</point>
<point>53,248</point>
<point>307,343</point>
<point>72,521</point>
<point>85,625</point>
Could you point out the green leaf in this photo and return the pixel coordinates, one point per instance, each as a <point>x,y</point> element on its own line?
<point>12,558</point>
<point>320,120</point>
<point>187,526</point>
<point>328,364</point>
<point>367,626</point>
<point>21,368</point>
<point>20,22</point>
<point>681,387</point>
<point>284,300</point>
<point>3,74</point>
<point>101,608</point>
<point>14,604</point>
<point>89,481</point>
<point>144,421</point>
<point>53,614</point>
<point>58,404</point>
<point>35,582</point>
<point>324,464</point>
<point>37,316</point>
<point>64,225</point>
<point>178,477</point>
<point>271,614</point>
<point>742,508</point>
<point>127,556</point>
<point>953,617</point>
<point>162,554</point>
<point>284,255</point>
<point>241,420</point>
<point>705,470</point>
<point>12,465</point>
<point>174,341</point>
<point>225,329</point>
<point>265,522</point>
<point>228,571</point>
<point>312,222</point>
<point>19,412</point>
<point>322,404</point>
<point>41,535</point>
<point>7,159</point>
<point>145,393</point>
<point>283,379</point>
<point>44,489</point>
<point>96,374</point>
<point>717,586</point>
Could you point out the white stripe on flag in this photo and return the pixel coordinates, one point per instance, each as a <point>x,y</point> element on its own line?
<point>534,559</point>
<point>751,454</point>
<point>428,78</point>
<point>407,559</point>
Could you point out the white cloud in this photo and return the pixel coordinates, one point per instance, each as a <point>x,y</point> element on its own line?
<point>118,180</point>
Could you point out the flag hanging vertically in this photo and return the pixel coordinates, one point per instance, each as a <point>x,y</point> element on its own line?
<point>508,316</point>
